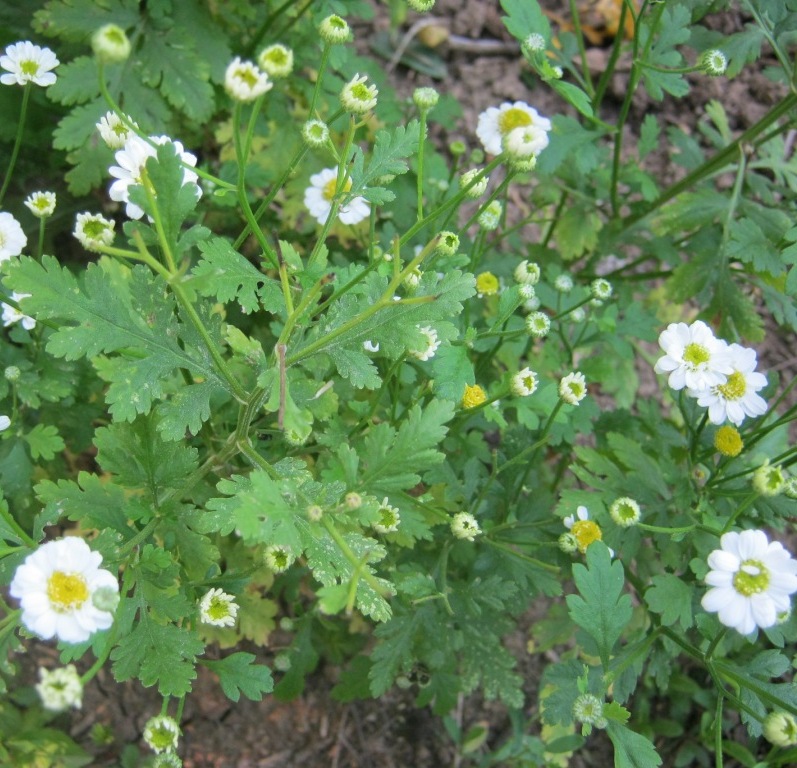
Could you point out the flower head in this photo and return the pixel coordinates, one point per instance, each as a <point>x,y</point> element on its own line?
<point>524,143</point>
<point>751,581</point>
<point>588,709</point>
<point>769,480</point>
<point>218,609</point>
<point>388,518</point>
<point>538,324</point>
<point>625,512</point>
<point>478,188</point>
<point>56,585</point>
<point>319,195</point>
<point>465,526</point>
<point>12,315</point>
<point>585,530</point>
<point>524,382</point>
<point>315,133</point>
<point>132,160</point>
<point>113,130</point>
<point>60,689</point>
<point>563,283</point>
<point>430,345</point>
<point>737,396</point>
<point>353,500</point>
<point>413,278</point>
<point>167,760</point>
<point>333,29</point>
<point>496,122</point>
<point>425,98</point>
<point>490,217</point>
<point>12,238</point>
<point>474,396</point>
<point>162,733</point>
<point>527,272</point>
<point>110,44</point>
<point>780,729</point>
<point>447,243</point>
<point>244,81</point>
<point>535,43</point>
<point>728,441</point>
<point>41,204</point>
<point>527,292</point>
<point>357,96</point>
<point>713,62</point>
<point>276,60</point>
<point>278,558</point>
<point>693,357</point>
<point>93,230</point>
<point>600,288</point>
<point>28,63</point>
<point>573,388</point>
<point>487,284</point>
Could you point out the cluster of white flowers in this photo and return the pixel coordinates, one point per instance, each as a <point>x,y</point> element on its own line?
<point>721,376</point>
<point>26,63</point>
<point>319,195</point>
<point>515,128</point>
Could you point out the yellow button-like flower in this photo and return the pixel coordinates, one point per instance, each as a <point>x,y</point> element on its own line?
<point>474,396</point>
<point>728,441</point>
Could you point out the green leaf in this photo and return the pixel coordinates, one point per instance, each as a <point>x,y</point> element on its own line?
<point>44,441</point>
<point>525,17</point>
<point>673,30</point>
<point>648,135</point>
<point>601,610</point>
<point>577,232</point>
<point>574,96</point>
<point>77,82</point>
<point>238,674</point>
<point>452,369</point>
<point>76,20</point>
<point>672,598</point>
<point>631,750</point>
<point>750,245</point>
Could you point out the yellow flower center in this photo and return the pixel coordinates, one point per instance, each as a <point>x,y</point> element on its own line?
<point>330,187</point>
<point>696,355</point>
<point>67,591</point>
<point>247,76</point>
<point>586,532</point>
<point>29,67</point>
<point>513,118</point>
<point>361,92</point>
<point>218,608</point>
<point>752,578</point>
<point>473,396</point>
<point>734,388</point>
<point>728,441</point>
<point>529,382</point>
<point>487,283</point>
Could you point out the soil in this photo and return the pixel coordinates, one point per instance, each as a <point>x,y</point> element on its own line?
<point>483,67</point>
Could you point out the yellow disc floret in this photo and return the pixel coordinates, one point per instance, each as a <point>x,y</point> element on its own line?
<point>67,591</point>
<point>728,441</point>
<point>473,396</point>
<point>734,388</point>
<point>513,118</point>
<point>487,284</point>
<point>586,532</point>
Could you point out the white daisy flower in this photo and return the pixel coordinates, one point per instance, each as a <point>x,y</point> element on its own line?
<point>132,160</point>
<point>538,324</point>
<point>693,357</point>
<point>751,581</point>
<point>56,585</point>
<point>278,558</point>
<point>12,315</point>
<point>431,344</point>
<point>573,388</point>
<point>600,288</point>
<point>218,609</point>
<point>41,204</point>
<point>319,195</point>
<point>12,238</point>
<point>525,142</point>
<point>357,96</point>
<point>60,689</point>
<point>162,733</point>
<point>389,518</point>
<point>584,530</point>
<point>737,397</point>
<point>113,131</point>
<point>315,133</point>
<point>276,60</point>
<point>465,526</point>
<point>496,122</point>
<point>28,63</point>
<point>524,382</point>
<point>93,230</point>
<point>244,81</point>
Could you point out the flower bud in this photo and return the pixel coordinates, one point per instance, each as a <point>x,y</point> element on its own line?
<point>334,30</point>
<point>425,98</point>
<point>110,44</point>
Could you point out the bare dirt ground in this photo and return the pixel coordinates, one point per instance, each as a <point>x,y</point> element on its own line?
<point>483,67</point>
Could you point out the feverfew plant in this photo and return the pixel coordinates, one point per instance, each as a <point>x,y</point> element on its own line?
<point>308,367</point>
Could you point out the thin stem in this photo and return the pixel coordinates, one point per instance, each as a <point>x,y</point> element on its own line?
<point>421,143</point>
<point>575,16</point>
<point>16,528</point>
<point>23,113</point>
<point>321,67</point>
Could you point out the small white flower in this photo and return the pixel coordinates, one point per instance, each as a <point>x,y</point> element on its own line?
<point>447,243</point>
<point>573,388</point>
<point>244,81</point>
<point>113,130</point>
<point>28,63</point>
<point>41,204</point>
<point>132,162</point>
<point>465,526</point>
<point>218,609</point>
<point>334,29</point>
<point>538,324</point>
<point>5,423</point>
<point>751,581</point>
<point>737,397</point>
<point>625,512</point>
<point>319,195</point>
<point>527,272</point>
<point>524,382</point>
<point>479,188</point>
<point>535,42</point>
<point>162,734</point>
<point>55,586</point>
<point>315,133</point>
<point>357,96</point>
<point>276,60</point>
<point>12,315</point>
<point>693,357</point>
<point>496,122</point>
<point>563,283</point>
<point>577,315</point>
<point>490,217</point>
<point>278,558</point>
<point>93,230</point>
<point>527,292</point>
<point>370,346</point>
<point>110,44</point>
<point>60,689</point>
<point>431,344</point>
<point>589,709</point>
<point>388,518</point>
<point>532,304</point>
<point>425,98</point>
<point>600,288</point>
<point>12,238</point>
<point>713,62</point>
<point>525,142</point>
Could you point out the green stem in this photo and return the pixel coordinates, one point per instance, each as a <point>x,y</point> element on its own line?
<point>714,643</point>
<point>522,556</point>
<point>321,67</point>
<point>23,113</point>
<point>575,16</point>
<point>40,244</point>
<point>421,143</point>
<point>248,450</point>
<point>140,537</point>
<point>16,528</point>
